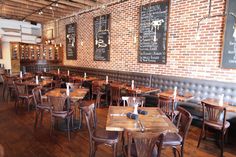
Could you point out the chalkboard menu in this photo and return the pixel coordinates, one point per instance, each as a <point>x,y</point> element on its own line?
<point>101,38</point>
<point>71,51</point>
<point>228,59</point>
<point>153,32</point>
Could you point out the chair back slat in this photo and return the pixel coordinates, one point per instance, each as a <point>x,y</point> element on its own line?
<point>57,103</point>
<point>37,95</point>
<point>145,143</point>
<point>166,104</point>
<point>214,114</point>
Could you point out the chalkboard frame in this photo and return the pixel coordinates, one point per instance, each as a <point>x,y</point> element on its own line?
<point>109,29</point>
<point>74,57</point>
<point>167,32</point>
<point>224,40</point>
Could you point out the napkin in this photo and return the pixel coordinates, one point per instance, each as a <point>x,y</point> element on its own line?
<point>142,112</point>
<point>132,116</point>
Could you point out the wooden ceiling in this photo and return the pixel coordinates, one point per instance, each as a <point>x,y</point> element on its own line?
<point>42,11</point>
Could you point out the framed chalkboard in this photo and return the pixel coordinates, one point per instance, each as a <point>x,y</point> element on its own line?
<point>71,47</point>
<point>228,57</point>
<point>153,32</point>
<point>102,38</point>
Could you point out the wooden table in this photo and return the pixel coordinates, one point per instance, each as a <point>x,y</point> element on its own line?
<point>79,78</point>
<point>155,120</point>
<point>169,93</point>
<point>76,94</point>
<point>41,83</point>
<point>215,102</point>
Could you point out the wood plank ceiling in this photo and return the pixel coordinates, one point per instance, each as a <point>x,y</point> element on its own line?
<point>42,11</point>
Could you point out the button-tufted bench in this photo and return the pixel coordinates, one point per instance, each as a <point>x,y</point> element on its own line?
<point>199,88</point>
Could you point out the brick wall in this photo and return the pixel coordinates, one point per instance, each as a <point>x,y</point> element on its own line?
<point>186,56</point>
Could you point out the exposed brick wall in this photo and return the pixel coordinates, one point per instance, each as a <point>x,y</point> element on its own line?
<point>186,56</point>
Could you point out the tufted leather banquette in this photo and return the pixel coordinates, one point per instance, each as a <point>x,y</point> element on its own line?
<point>199,88</point>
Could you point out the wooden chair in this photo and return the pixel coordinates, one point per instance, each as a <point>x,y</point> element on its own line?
<point>58,111</point>
<point>214,117</point>
<point>115,95</point>
<point>142,144</point>
<point>4,78</point>
<point>96,87</point>
<point>40,105</point>
<point>10,87</point>
<point>129,101</point>
<point>184,120</point>
<point>22,94</point>
<point>98,136</point>
<point>166,104</point>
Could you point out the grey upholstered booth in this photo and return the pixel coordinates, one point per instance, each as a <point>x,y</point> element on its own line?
<point>199,88</point>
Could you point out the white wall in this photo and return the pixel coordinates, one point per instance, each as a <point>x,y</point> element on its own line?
<point>17,31</point>
<point>6,55</point>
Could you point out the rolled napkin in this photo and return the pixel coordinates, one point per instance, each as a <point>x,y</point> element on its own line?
<point>132,116</point>
<point>142,112</point>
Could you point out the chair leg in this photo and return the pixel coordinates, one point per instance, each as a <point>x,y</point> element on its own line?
<point>52,125</point>
<point>222,144</point>
<point>200,138</point>
<point>80,118</point>
<point>36,118</point>
<point>68,128</point>
<point>41,118</point>
<point>114,150</point>
<point>174,151</point>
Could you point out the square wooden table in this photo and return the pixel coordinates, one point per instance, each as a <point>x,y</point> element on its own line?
<point>169,93</point>
<point>155,120</point>
<point>216,102</point>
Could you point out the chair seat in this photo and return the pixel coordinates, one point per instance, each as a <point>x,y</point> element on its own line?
<point>62,114</point>
<point>172,139</point>
<point>134,152</point>
<point>101,136</point>
<point>85,103</point>
<point>25,96</point>
<point>217,126</point>
<point>44,106</point>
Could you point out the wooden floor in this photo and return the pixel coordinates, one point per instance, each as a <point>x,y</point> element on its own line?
<point>18,138</point>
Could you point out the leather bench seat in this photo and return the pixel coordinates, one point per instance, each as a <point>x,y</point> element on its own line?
<point>201,89</point>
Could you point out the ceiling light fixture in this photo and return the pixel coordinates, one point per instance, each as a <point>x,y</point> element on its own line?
<point>50,7</point>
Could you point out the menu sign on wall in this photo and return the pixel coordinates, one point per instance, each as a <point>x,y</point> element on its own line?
<point>153,32</point>
<point>101,38</point>
<point>71,51</point>
<point>228,59</point>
